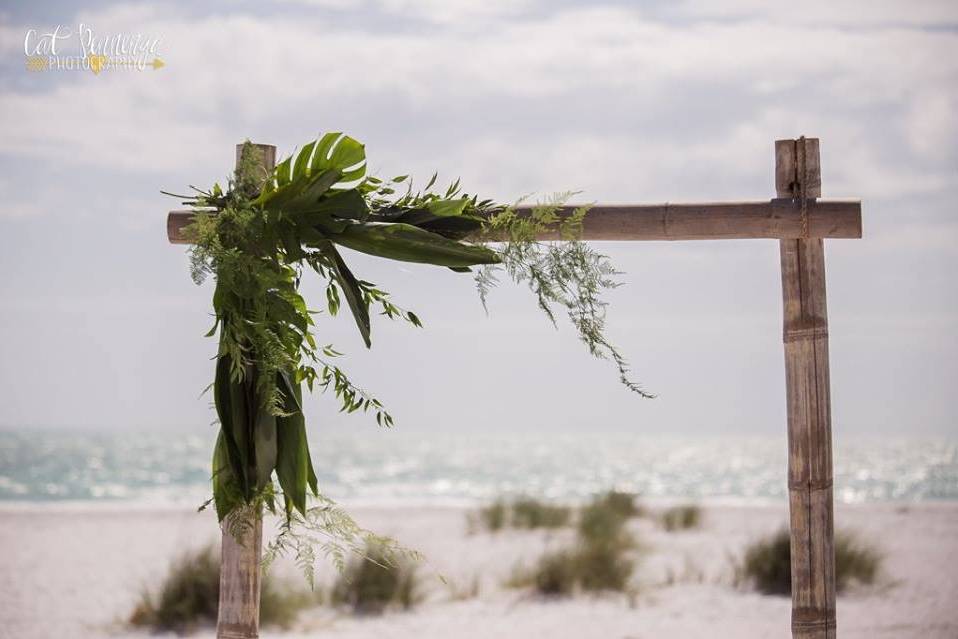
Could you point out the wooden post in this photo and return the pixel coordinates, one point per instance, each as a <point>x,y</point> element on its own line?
<point>798,176</point>
<point>238,615</point>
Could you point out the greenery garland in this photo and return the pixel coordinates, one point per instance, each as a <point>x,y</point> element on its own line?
<point>259,235</point>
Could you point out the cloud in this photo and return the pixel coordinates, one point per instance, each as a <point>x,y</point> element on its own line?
<point>850,13</point>
<point>625,101</point>
<point>283,76</point>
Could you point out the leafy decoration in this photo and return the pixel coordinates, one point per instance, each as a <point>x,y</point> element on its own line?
<point>257,236</point>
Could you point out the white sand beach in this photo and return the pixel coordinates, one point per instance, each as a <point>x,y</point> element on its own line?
<point>77,570</point>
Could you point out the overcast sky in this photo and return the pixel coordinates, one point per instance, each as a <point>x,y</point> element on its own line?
<point>100,325</point>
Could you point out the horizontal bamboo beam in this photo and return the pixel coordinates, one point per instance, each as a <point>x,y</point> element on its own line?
<point>774,219</point>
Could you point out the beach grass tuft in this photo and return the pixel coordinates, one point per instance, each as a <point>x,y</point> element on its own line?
<point>532,513</point>
<point>188,597</point>
<point>626,504</point>
<point>524,513</point>
<point>767,562</point>
<point>683,517</point>
<point>372,584</point>
<point>598,560</point>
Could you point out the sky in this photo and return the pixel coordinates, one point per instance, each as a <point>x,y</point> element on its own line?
<point>625,102</point>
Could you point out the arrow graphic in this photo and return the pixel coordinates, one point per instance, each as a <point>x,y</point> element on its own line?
<point>156,63</point>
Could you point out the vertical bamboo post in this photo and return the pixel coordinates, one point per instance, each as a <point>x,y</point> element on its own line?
<point>238,614</point>
<point>797,175</point>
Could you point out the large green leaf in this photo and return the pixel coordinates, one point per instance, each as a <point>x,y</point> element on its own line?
<point>411,244</point>
<point>294,468</point>
<point>264,448</point>
<point>446,208</point>
<point>354,295</point>
<point>306,198</point>
<point>227,494</point>
<point>332,151</point>
<point>229,398</point>
<point>342,204</point>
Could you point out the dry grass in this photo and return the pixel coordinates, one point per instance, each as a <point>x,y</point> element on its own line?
<point>626,504</point>
<point>525,513</point>
<point>599,560</point>
<point>684,517</point>
<point>371,585</point>
<point>766,564</point>
<point>188,597</point>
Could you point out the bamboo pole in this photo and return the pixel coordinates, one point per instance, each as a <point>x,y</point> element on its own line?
<point>242,541</point>
<point>805,334</point>
<point>772,219</point>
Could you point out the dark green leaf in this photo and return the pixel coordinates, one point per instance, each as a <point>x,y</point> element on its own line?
<point>229,399</point>
<point>352,291</point>
<point>265,448</point>
<point>411,244</point>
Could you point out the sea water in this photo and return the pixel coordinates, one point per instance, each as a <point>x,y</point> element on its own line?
<point>395,466</point>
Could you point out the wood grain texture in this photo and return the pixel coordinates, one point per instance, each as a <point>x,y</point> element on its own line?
<point>793,166</point>
<point>774,219</point>
<point>238,616</point>
<point>241,556</point>
<point>805,335</point>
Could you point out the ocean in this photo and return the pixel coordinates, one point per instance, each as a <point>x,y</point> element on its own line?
<point>386,467</point>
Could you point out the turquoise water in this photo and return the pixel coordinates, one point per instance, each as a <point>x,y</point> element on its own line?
<point>390,466</point>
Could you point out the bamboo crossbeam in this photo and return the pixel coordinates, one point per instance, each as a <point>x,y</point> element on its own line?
<point>773,219</point>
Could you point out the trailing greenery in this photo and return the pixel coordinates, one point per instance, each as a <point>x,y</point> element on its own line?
<point>767,563</point>
<point>259,235</point>
<point>188,597</point>
<point>329,532</point>
<point>683,517</point>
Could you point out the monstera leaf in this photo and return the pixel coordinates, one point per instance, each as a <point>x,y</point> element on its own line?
<point>334,161</point>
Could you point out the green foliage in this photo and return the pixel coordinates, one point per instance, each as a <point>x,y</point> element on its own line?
<point>684,517</point>
<point>568,274</point>
<point>376,581</point>
<point>258,236</point>
<point>531,513</point>
<point>495,516</point>
<point>605,566</point>
<point>621,502</point>
<point>767,562</point>
<point>855,560</point>
<point>602,522</point>
<point>599,560</point>
<point>525,512</point>
<point>557,573</point>
<point>328,531</point>
<point>188,597</point>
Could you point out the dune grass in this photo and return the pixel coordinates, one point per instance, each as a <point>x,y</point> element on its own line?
<point>766,564</point>
<point>684,517</point>
<point>371,585</point>
<point>493,517</point>
<point>524,513</point>
<point>626,504</point>
<point>532,513</point>
<point>188,597</point>
<point>598,560</point>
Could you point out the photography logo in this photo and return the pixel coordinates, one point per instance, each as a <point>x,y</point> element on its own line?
<point>63,49</point>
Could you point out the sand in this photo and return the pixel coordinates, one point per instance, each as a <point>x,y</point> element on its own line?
<point>77,570</point>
